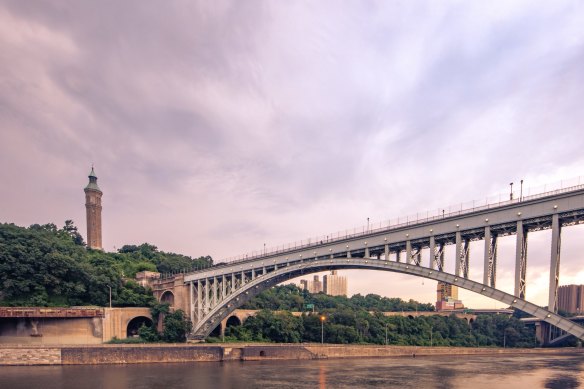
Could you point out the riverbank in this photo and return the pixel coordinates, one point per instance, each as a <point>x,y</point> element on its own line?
<point>165,353</point>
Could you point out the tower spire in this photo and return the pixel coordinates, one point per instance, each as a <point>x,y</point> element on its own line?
<point>93,211</point>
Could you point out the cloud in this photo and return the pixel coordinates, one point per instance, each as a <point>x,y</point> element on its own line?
<point>216,128</point>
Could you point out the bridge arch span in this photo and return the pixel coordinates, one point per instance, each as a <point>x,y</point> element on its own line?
<point>262,282</point>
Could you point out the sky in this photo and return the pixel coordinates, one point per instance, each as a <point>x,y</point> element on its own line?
<point>218,127</point>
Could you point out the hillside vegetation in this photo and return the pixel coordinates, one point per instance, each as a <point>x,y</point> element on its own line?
<point>44,265</point>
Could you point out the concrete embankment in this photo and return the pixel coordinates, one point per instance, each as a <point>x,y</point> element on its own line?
<point>119,354</point>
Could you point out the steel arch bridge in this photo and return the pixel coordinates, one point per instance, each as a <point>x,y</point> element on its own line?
<point>216,291</point>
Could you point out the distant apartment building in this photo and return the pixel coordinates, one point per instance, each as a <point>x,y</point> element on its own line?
<point>331,284</point>
<point>447,297</point>
<point>334,284</point>
<point>314,286</point>
<point>571,298</point>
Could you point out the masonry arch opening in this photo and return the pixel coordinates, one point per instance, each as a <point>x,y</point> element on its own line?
<point>135,324</point>
<point>167,298</point>
<point>232,321</point>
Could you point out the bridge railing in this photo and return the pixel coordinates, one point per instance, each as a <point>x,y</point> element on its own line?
<point>411,220</point>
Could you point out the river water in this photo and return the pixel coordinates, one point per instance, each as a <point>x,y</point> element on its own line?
<point>477,372</point>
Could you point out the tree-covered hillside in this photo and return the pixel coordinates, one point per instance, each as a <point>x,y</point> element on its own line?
<point>290,297</point>
<point>44,265</point>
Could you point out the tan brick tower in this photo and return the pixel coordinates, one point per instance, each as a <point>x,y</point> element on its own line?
<point>93,208</point>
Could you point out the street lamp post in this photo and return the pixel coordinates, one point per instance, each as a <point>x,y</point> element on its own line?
<point>511,194</point>
<point>322,319</point>
<point>367,224</point>
<point>521,192</point>
<point>110,296</point>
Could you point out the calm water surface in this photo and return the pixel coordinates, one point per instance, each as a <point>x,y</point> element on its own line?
<point>515,372</point>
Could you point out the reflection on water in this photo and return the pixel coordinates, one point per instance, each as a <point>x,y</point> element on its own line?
<point>516,372</point>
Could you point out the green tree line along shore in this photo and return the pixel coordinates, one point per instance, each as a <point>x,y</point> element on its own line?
<point>44,265</point>
<point>359,319</point>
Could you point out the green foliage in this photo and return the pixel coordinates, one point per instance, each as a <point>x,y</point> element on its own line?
<point>359,320</point>
<point>148,334</point>
<point>134,295</point>
<point>162,262</point>
<point>126,341</point>
<point>46,266</point>
<point>157,310</point>
<point>71,230</point>
<point>279,327</point>
<point>176,327</point>
<point>290,297</point>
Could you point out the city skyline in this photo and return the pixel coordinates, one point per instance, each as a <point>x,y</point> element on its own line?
<point>218,129</point>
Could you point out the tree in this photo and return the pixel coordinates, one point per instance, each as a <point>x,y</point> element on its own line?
<point>70,229</point>
<point>176,327</point>
<point>148,333</point>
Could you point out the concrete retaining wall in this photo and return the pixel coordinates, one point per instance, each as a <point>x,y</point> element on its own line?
<point>261,352</point>
<point>116,354</point>
<point>145,354</point>
<point>368,351</point>
<point>51,331</point>
<point>30,356</point>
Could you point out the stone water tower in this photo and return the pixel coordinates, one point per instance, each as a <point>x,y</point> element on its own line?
<point>93,210</point>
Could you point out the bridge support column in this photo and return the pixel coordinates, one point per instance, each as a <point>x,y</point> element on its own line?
<point>432,252</point>
<point>398,255</point>
<point>408,252</point>
<point>206,305</point>
<point>223,287</point>
<point>458,255</point>
<point>554,264</point>
<point>214,299</point>
<point>367,252</point>
<point>490,266</point>
<point>191,312</point>
<point>386,252</point>
<point>199,302</point>
<point>520,260</point>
